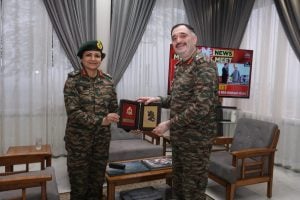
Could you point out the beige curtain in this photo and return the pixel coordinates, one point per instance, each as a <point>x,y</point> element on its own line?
<point>33,70</point>
<point>275,90</point>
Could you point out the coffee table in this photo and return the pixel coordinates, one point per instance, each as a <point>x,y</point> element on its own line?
<point>123,179</point>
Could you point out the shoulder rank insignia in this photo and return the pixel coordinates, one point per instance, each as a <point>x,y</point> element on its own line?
<point>105,75</point>
<point>74,73</point>
<point>200,58</point>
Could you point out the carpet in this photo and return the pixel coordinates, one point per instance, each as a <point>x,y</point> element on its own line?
<point>159,184</point>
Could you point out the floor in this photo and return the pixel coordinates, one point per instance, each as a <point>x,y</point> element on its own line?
<point>286,185</point>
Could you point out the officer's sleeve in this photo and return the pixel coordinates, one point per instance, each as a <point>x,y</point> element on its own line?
<point>73,108</point>
<point>113,107</point>
<point>165,101</point>
<point>205,91</point>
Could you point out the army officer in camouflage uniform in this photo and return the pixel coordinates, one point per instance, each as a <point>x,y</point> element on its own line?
<point>91,105</point>
<point>192,124</point>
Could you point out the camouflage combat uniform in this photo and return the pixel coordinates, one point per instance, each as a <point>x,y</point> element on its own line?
<point>192,102</point>
<point>88,101</point>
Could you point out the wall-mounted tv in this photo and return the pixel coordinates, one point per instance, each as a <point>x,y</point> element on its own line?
<point>234,69</point>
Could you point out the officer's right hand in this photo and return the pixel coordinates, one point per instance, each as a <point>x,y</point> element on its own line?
<point>148,100</point>
<point>110,118</point>
<point>162,128</point>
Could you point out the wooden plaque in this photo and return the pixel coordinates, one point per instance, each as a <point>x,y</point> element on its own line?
<point>138,116</point>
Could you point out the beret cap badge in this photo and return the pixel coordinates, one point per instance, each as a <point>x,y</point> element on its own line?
<point>99,45</point>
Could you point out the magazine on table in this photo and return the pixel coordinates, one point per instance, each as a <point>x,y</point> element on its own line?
<point>160,162</point>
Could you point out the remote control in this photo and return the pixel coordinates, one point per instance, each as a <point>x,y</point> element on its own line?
<point>117,165</point>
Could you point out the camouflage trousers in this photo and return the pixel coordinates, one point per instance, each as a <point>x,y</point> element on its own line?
<point>190,155</point>
<point>87,159</point>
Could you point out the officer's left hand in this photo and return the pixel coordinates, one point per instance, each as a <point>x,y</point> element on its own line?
<point>113,117</point>
<point>162,128</point>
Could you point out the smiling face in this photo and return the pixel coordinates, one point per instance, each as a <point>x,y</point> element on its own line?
<point>184,41</point>
<point>91,60</point>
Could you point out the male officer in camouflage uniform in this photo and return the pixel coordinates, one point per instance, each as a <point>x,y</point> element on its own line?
<point>192,124</point>
<point>91,105</point>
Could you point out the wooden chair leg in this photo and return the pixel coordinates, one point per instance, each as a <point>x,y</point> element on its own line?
<point>157,141</point>
<point>23,194</point>
<point>230,190</point>
<point>270,188</point>
<point>169,180</point>
<point>44,191</point>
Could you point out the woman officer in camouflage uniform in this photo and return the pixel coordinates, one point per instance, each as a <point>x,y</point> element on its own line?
<point>91,105</point>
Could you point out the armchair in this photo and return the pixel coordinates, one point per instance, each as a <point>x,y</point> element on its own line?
<point>18,182</point>
<point>249,158</point>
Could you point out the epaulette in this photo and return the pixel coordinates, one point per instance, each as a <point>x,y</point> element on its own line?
<point>179,61</point>
<point>74,73</point>
<point>200,58</point>
<point>107,76</point>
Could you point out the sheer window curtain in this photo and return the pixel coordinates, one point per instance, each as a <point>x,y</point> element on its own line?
<point>32,74</point>
<point>275,90</point>
<point>147,74</point>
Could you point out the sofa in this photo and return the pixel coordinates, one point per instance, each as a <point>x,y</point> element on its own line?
<point>127,146</point>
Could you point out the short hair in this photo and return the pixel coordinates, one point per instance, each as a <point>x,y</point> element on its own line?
<point>183,24</point>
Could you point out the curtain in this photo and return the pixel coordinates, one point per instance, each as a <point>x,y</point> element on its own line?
<point>129,20</point>
<point>74,22</point>
<point>219,23</point>
<point>289,14</point>
<point>33,67</point>
<point>147,73</point>
<point>275,90</point>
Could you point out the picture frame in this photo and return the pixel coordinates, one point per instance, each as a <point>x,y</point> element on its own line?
<point>129,114</point>
<point>138,116</point>
<point>150,116</point>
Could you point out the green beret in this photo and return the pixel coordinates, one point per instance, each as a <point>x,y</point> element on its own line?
<point>89,46</point>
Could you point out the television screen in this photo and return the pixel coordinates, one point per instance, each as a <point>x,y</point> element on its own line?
<point>234,69</point>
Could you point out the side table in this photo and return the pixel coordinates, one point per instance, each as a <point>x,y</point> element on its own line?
<point>44,154</point>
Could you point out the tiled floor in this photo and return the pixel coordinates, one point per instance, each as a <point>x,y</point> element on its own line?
<point>286,185</point>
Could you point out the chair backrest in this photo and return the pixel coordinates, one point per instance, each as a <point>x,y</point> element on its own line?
<point>252,133</point>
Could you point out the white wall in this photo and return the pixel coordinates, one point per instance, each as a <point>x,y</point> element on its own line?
<point>103,26</point>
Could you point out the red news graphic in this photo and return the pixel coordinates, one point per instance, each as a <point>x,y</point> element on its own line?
<point>234,69</point>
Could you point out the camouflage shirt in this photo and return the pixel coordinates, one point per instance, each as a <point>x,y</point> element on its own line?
<point>194,94</point>
<point>88,100</point>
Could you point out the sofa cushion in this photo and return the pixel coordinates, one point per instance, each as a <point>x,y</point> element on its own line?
<point>133,149</point>
<point>35,192</point>
<point>220,165</point>
<point>121,134</point>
